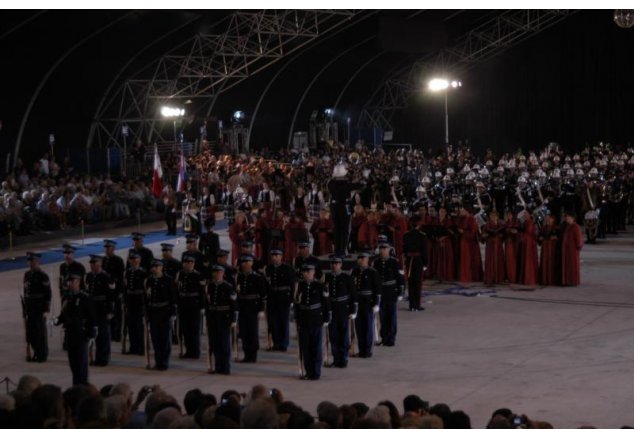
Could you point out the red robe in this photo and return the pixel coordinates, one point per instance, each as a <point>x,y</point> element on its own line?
<point>494,265</point>
<point>549,261</point>
<point>277,234</point>
<point>294,232</point>
<point>262,226</point>
<point>322,231</point>
<point>236,234</point>
<point>510,250</point>
<point>470,267</point>
<point>368,234</point>
<point>398,224</point>
<point>527,266</point>
<point>443,253</point>
<point>571,243</point>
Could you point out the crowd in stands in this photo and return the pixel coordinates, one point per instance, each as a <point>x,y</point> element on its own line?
<point>36,405</point>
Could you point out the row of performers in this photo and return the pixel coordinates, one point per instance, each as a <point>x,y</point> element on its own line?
<point>452,243</point>
<point>156,303</point>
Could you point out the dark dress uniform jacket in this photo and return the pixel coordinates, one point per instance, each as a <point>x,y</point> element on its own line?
<point>37,292</point>
<point>310,260</point>
<point>160,298</point>
<point>78,318</point>
<point>368,285</point>
<point>312,304</point>
<point>221,304</point>
<point>281,279</point>
<point>343,294</point>
<point>101,289</point>
<point>191,290</point>
<point>114,266</point>
<point>252,290</point>
<point>391,279</point>
<point>171,267</point>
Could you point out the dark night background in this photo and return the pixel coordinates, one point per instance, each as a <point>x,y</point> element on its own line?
<point>571,84</point>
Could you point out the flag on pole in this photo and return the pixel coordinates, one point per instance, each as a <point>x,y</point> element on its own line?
<point>157,178</point>
<point>182,174</point>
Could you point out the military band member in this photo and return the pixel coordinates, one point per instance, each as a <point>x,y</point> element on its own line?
<point>230,273</point>
<point>252,290</point>
<point>78,318</point>
<point>70,265</point>
<point>192,250</point>
<point>161,313</point>
<point>222,314</point>
<point>115,267</point>
<point>415,253</point>
<point>344,304</point>
<point>146,254</point>
<point>101,288</point>
<point>36,305</point>
<point>191,292</point>
<point>134,303</point>
<point>282,280</point>
<point>171,265</point>
<point>368,286</point>
<point>305,257</point>
<point>392,289</point>
<point>313,314</point>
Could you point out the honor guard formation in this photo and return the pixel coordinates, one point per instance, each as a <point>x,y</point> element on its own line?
<point>402,216</point>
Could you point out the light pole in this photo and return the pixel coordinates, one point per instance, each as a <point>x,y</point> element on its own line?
<point>172,113</point>
<point>348,120</point>
<point>124,133</point>
<point>440,84</point>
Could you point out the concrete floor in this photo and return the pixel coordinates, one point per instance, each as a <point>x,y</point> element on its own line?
<point>563,355</point>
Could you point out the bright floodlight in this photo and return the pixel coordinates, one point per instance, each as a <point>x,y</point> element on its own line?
<point>437,84</point>
<point>238,116</point>
<point>172,112</point>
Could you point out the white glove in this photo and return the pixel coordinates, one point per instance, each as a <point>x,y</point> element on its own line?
<point>353,316</point>
<point>261,315</point>
<point>325,324</point>
<point>91,341</point>
<point>424,268</point>
<point>375,309</point>
<point>399,298</point>
<point>172,319</point>
<point>109,316</point>
<point>234,324</point>
<point>202,312</point>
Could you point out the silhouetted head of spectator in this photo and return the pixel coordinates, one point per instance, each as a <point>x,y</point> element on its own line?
<point>192,400</point>
<point>300,419</point>
<point>260,413</point>
<point>431,422</point>
<point>230,408</point>
<point>28,383</point>
<point>117,411</point>
<point>348,415</point>
<point>206,400</point>
<point>105,390</point>
<point>458,420</point>
<point>380,415</point>
<point>73,396</point>
<point>157,401</point>
<point>415,404</point>
<point>395,416</point>
<point>361,409</point>
<point>47,404</point>
<point>222,422</point>
<point>91,412</point>
<point>442,411</point>
<point>329,413</point>
<point>165,417</point>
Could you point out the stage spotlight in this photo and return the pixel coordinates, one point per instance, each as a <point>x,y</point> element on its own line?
<point>438,84</point>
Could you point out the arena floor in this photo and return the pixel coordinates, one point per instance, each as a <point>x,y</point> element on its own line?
<point>564,355</point>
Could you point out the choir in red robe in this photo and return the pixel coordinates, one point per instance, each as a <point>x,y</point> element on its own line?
<point>443,248</point>
<point>527,267</point>
<point>470,265</point>
<point>549,257</point>
<point>493,237</point>
<point>323,231</point>
<point>571,243</point>
<point>511,231</point>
